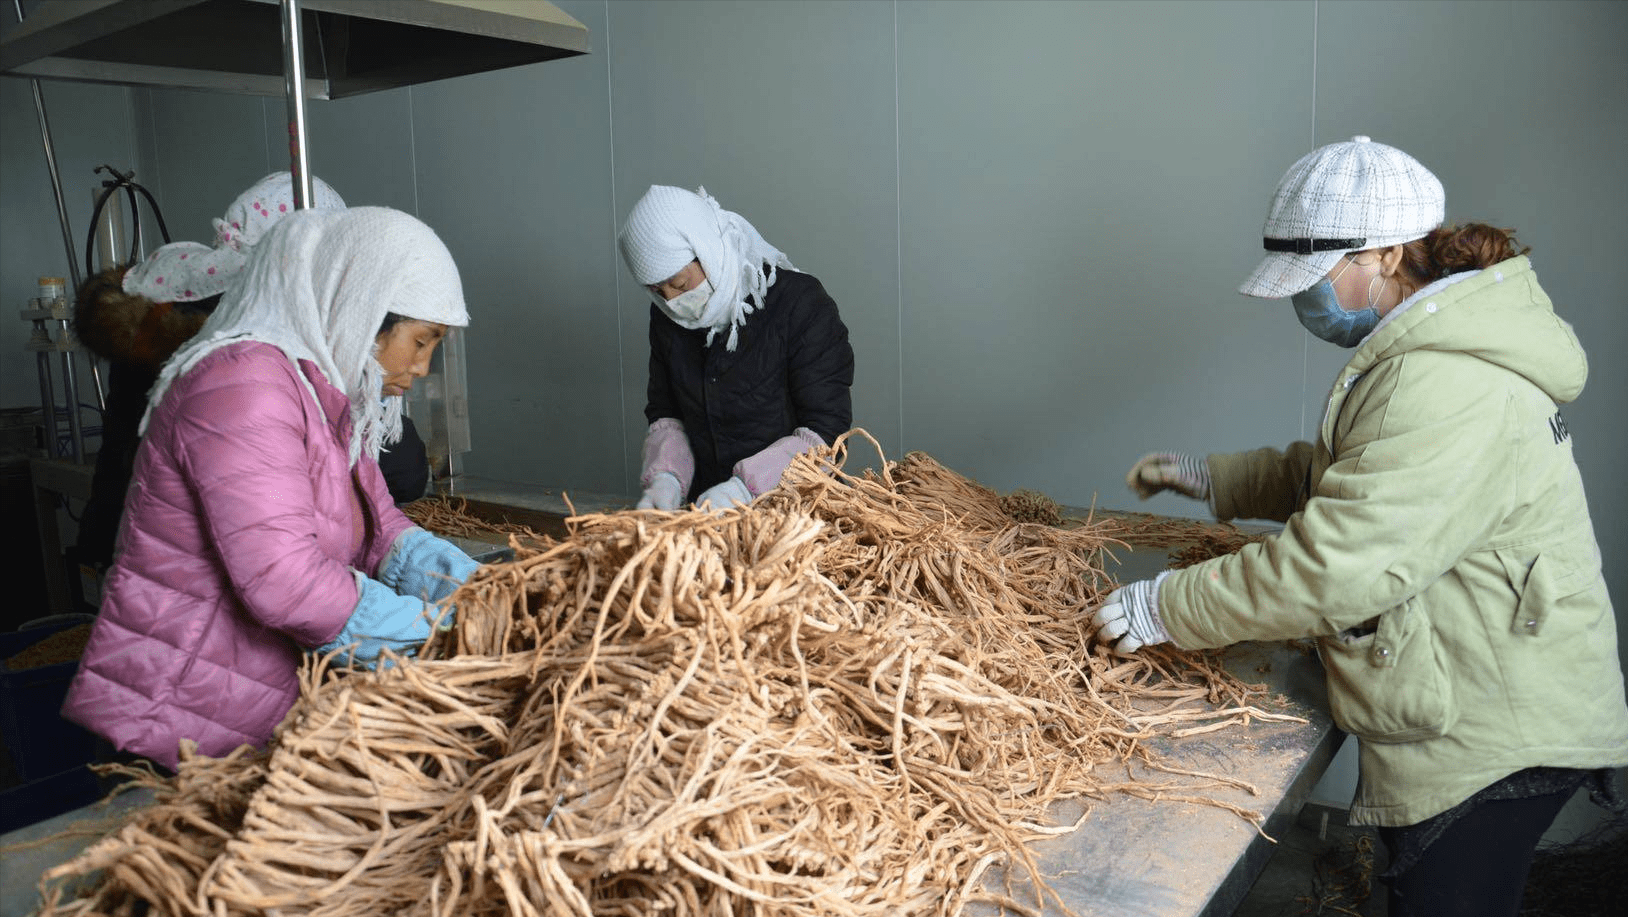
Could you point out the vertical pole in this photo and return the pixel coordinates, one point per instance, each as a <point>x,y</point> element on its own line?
<point>68,376</point>
<point>56,182</point>
<point>48,399</point>
<point>51,165</point>
<point>70,381</point>
<point>294,84</point>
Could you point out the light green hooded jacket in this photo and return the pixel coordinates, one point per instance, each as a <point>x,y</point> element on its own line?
<point>1438,544</point>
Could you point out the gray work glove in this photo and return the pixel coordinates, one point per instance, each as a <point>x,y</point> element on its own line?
<point>1129,618</point>
<point>664,492</point>
<point>1176,471</point>
<point>727,495</point>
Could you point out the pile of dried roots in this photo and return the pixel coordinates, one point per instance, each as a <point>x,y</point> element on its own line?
<point>450,516</point>
<point>853,697</point>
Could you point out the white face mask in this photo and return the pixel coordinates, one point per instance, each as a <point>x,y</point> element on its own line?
<point>687,307</point>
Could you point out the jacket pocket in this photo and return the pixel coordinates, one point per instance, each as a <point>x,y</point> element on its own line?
<point>1554,642</point>
<point>1392,683</point>
<point>1545,583</point>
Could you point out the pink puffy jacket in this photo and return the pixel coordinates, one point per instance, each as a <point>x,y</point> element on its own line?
<point>241,528</point>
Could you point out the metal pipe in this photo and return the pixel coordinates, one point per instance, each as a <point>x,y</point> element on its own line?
<point>96,383</point>
<point>48,397</point>
<point>70,379</point>
<point>294,86</point>
<point>51,165</point>
<point>56,182</point>
<point>68,376</point>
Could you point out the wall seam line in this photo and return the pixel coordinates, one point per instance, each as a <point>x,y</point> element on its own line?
<point>898,225</point>
<point>616,276</point>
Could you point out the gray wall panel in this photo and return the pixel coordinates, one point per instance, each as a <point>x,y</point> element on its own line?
<point>514,173</point>
<point>785,113</point>
<point>361,146</point>
<point>90,126</point>
<point>201,150</point>
<point>1082,187</point>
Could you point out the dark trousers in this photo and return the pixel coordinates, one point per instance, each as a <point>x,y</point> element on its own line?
<point>1478,867</point>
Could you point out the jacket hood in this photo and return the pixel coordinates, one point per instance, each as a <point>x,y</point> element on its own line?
<point>130,329</point>
<point>1499,315</point>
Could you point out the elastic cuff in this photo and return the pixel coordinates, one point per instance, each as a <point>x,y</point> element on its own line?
<point>1153,609</point>
<point>666,448</point>
<point>389,572</point>
<point>814,440</point>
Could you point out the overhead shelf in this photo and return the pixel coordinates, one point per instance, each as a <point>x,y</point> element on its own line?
<point>352,46</point>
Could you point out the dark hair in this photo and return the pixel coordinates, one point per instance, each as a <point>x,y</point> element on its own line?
<point>391,319</point>
<point>1450,249</point>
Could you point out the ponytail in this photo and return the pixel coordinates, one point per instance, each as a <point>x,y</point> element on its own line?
<point>1451,249</point>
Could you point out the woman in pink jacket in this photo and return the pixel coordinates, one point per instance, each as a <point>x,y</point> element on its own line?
<point>258,527</point>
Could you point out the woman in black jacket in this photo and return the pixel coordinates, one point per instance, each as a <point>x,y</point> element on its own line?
<point>731,401</point>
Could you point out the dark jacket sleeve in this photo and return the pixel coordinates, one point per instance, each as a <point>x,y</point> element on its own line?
<point>115,460</point>
<point>659,399</point>
<point>406,465</point>
<point>820,369</point>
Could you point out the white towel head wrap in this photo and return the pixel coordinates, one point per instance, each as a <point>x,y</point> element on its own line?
<point>670,227</point>
<point>318,287</point>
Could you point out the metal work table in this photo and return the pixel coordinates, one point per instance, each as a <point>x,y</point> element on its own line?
<point>1136,858</point>
<point>53,841</point>
<point>1129,857</point>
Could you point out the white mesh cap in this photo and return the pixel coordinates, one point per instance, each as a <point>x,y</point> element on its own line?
<point>1343,197</point>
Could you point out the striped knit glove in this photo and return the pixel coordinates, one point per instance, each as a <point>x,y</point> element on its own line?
<point>1129,619</point>
<point>1176,471</point>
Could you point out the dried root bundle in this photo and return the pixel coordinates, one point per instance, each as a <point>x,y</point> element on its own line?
<point>851,698</point>
<point>1211,541</point>
<point>450,516</point>
<point>1194,541</point>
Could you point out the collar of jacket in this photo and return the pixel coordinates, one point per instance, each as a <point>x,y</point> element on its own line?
<point>335,406</point>
<point>1499,315</point>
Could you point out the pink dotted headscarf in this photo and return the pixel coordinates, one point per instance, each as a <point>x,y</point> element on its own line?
<point>190,271</point>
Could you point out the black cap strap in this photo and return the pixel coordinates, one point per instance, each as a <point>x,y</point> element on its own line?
<point>1308,246</point>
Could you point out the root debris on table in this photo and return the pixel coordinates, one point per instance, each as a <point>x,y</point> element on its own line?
<point>855,696</point>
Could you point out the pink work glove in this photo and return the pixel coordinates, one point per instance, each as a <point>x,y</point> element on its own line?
<point>761,472</point>
<point>666,459</point>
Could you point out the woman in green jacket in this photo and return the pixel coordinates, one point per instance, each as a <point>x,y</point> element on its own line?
<point>1436,539</point>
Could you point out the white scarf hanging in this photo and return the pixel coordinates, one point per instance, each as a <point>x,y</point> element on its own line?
<point>670,227</point>
<point>318,287</point>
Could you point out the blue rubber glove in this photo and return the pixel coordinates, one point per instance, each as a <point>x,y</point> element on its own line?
<point>728,495</point>
<point>381,620</point>
<point>425,567</point>
<point>1129,618</point>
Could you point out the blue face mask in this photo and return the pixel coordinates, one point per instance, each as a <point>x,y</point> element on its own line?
<point>1320,312</point>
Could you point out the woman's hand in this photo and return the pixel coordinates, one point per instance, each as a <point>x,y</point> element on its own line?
<point>1129,618</point>
<point>1176,471</point>
<point>664,492</point>
<point>727,495</point>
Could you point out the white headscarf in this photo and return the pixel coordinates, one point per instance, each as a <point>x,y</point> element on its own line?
<point>318,287</point>
<point>670,227</point>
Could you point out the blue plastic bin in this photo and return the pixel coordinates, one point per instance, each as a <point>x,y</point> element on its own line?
<point>38,740</point>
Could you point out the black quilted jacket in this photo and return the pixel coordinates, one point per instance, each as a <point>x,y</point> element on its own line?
<point>791,367</point>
